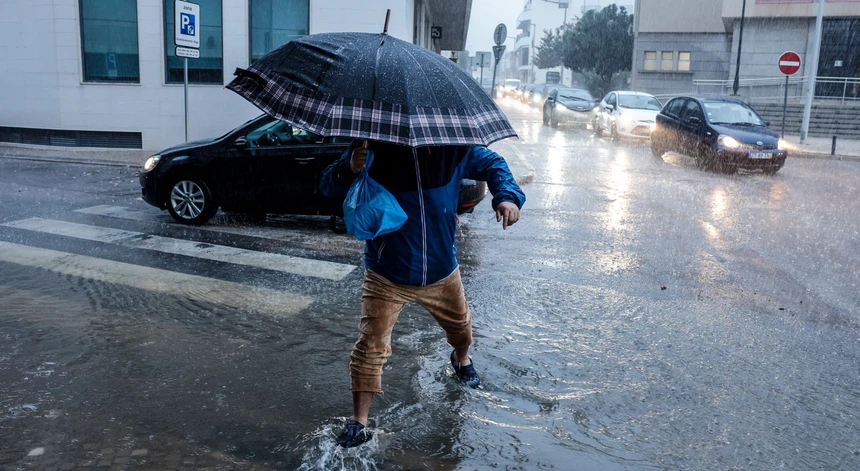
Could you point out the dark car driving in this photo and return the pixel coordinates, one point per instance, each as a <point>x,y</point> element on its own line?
<point>720,133</point>
<point>568,105</point>
<point>263,166</point>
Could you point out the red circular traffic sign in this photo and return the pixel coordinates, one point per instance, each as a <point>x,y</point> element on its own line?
<point>789,63</point>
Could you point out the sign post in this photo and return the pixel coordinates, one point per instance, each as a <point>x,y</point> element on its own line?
<point>186,37</point>
<point>789,64</point>
<point>499,37</point>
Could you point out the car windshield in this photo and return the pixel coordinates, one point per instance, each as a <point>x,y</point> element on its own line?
<point>574,95</point>
<point>512,82</point>
<point>738,114</point>
<point>639,102</point>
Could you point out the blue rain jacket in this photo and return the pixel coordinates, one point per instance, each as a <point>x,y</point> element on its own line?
<point>426,183</point>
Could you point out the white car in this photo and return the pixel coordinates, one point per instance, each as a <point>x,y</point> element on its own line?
<point>510,87</point>
<point>627,114</point>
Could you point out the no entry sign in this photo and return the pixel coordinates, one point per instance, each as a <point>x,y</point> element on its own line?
<point>789,63</point>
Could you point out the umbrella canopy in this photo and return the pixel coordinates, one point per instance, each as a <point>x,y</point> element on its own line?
<point>375,87</point>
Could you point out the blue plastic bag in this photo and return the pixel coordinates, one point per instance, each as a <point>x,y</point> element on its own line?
<point>370,210</point>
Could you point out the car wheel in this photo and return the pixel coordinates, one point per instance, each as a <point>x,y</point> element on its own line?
<point>545,119</point>
<point>657,150</point>
<point>596,127</point>
<point>613,131</point>
<point>191,202</point>
<point>552,120</point>
<point>337,225</point>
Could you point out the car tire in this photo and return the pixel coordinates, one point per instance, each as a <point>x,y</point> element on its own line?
<point>613,131</point>
<point>190,201</point>
<point>596,128</point>
<point>657,150</point>
<point>545,119</point>
<point>552,120</point>
<point>338,226</point>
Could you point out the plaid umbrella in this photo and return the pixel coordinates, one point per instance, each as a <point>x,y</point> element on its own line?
<point>374,87</point>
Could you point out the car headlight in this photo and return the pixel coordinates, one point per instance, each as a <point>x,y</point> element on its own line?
<point>151,163</point>
<point>728,141</point>
<point>782,145</point>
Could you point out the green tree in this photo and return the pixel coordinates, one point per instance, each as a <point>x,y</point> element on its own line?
<point>599,46</point>
<point>548,54</point>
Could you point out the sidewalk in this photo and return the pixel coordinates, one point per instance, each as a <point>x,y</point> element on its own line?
<point>95,156</point>
<point>820,147</point>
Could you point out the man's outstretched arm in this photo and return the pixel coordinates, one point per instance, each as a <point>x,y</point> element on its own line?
<point>508,197</point>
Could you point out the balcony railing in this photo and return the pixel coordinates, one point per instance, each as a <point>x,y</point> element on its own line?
<point>772,89</point>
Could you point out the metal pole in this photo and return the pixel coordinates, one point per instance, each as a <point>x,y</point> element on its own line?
<point>493,89</point>
<point>482,71</point>
<point>784,107</point>
<point>186,99</point>
<point>740,44</point>
<point>813,72</point>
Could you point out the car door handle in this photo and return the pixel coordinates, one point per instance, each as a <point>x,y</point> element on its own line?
<point>306,159</point>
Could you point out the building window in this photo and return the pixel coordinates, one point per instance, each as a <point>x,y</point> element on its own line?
<point>684,61</point>
<point>208,69</point>
<point>275,23</point>
<point>667,61</point>
<point>109,41</point>
<point>650,60</point>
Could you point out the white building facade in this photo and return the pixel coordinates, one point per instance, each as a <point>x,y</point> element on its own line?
<point>103,73</point>
<point>540,15</point>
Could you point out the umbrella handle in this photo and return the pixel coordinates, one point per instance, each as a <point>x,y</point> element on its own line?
<point>365,144</point>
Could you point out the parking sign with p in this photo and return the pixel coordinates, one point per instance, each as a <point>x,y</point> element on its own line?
<point>187,17</point>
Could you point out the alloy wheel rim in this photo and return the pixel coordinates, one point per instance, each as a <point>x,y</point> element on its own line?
<point>187,199</point>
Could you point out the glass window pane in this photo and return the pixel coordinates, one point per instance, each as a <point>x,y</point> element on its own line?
<point>684,61</point>
<point>109,39</point>
<point>209,67</point>
<point>668,61</point>
<point>275,23</point>
<point>650,60</point>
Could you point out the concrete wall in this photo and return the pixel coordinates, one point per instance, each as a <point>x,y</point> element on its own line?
<point>709,58</point>
<point>42,82</point>
<point>789,8</point>
<point>765,40</point>
<point>680,16</point>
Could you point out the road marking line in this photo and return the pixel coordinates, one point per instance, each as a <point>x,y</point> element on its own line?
<point>283,263</point>
<point>272,233</point>
<point>199,288</point>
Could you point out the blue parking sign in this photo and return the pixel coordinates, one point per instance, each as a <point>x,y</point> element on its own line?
<point>187,32</point>
<point>187,23</point>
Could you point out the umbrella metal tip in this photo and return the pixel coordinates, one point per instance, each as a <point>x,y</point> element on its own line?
<point>387,17</point>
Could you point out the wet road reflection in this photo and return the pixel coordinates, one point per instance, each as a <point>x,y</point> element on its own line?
<point>643,314</point>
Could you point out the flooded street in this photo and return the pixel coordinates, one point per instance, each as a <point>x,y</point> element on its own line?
<point>643,314</point>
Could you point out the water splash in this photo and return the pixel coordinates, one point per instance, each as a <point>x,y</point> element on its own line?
<point>323,454</point>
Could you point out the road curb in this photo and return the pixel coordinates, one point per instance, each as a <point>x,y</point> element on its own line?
<point>69,160</point>
<point>814,156</point>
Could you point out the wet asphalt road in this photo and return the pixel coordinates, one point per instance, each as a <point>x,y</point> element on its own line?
<point>643,314</point>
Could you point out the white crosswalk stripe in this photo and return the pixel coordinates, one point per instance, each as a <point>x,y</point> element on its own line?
<point>274,233</point>
<point>198,288</point>
<point>283,263</point>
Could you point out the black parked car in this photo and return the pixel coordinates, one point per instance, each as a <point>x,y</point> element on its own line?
<point>720,133</point>
<point>263,166</point>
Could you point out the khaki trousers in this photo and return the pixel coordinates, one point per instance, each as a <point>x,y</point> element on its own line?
<point>381,303</point>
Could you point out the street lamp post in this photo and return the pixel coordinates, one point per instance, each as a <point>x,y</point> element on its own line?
<point>737,83</point>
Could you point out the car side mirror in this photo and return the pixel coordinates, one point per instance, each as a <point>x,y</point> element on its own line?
<point>240,142</point>
<point>610,108</point>
<point>694,120</point>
